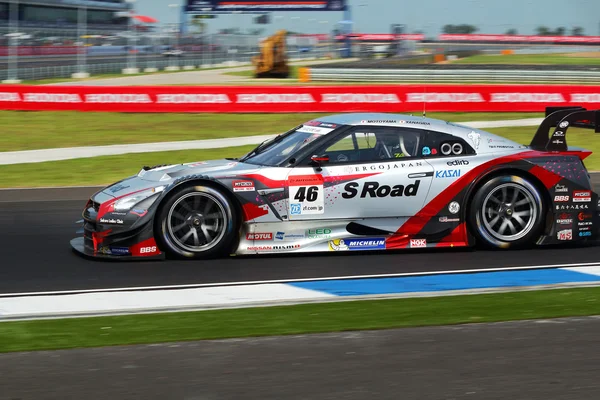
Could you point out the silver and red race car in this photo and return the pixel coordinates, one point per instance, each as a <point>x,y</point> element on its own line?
<point>356,182</point>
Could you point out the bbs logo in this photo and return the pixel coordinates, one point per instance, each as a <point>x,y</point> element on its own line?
<point>148,250</point>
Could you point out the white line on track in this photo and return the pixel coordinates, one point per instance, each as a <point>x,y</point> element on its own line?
<point>68,153</point>
<point>348,277</point>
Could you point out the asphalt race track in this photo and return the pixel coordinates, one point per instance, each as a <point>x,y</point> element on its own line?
<point>36,256</point>
<point>533,360</point>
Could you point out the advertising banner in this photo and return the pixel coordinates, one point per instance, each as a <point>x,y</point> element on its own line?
<point>293,99</point>
<point>253,6</point>
<point>518,38</point>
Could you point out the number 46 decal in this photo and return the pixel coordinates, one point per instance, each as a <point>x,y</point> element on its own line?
<point>306,195</point>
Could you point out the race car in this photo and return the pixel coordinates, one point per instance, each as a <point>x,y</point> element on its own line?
<point>353,182</point>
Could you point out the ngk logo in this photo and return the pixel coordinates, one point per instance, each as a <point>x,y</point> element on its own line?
<point>259,236</point>
<point>418,243</point>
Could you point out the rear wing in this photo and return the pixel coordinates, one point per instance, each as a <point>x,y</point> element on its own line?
<point>562,118</point>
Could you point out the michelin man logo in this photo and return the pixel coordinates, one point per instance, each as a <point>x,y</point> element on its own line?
<point>475,138</point>
<point>338,245</point>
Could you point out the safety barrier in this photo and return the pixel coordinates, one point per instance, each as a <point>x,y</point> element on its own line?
<point>261,99</point>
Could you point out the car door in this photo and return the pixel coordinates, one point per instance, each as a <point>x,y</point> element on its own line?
<point>365,172</point>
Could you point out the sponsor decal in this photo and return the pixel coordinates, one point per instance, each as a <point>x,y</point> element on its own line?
<point>565,234</point>
<point>584,223</point>
<point>559,134</point>
<point>564,219</point>
<point>561,198</point>
<point>501,147</point>
<point>139,212</point>
<point>259,236</point>
<point>388,166</point>
<point>584,234</point>
<point>475,138</point>
<point>148,250</point>
<point>274,98</point>
<point>585,97</point>
<point>356,244</point>
<point>320,124</point>
<point>558,141</point>
<point>378,121</point>
<point>375,190</point>
<point>315,129</point>
<point>192,98</point>
<point>321,233</point>
<point>414,122</point>
<point>416,243</point>
<point>287,247</point>
<point>243,186</point>
<point>426,151</point>
<point>457,163</point>
<point>259,248</point>
<point>111,221</point>
<point>289,236</point>
<point>527,98</point>
<point>117,98</point>
<point>563,124</point>
<point>582,196</point>
<point>446,219</point>
<point>561,189</point>
<point>7,96</point>
<point>571,207</point>
<point>444,98</point>
<point>306,194</point>
<point>120,250</point>
<point>359,98</point>
<point>585,228</point>
<point>448,173</point>
<point>51,98</point>
<point>454,207</point>
<point>584,216</point>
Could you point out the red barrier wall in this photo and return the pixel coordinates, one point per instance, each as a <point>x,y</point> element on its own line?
<point>265,99</point>
<point>40,50</point>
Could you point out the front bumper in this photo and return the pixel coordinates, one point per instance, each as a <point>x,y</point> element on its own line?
<point>79,246</point>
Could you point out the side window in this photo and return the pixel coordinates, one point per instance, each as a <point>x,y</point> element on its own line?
<point>373,143</point>
<point>438,144</point>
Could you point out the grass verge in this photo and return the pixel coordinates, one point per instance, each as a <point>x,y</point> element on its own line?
<point>250,73</point>
<point>29,130</point>
<point>102,170</point>
<point>300,319</point>
<point>108,169</point>
<point>548,59</point>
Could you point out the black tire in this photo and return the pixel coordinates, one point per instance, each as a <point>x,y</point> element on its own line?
<point>507,212</point>
<point>197,222</point>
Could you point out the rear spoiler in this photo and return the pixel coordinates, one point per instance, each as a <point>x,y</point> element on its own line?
<point>562,118</point>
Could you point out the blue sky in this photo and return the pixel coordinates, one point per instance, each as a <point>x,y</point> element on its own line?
<point>376,16</point>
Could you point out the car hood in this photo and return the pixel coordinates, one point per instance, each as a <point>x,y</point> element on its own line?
<point>165,174</point>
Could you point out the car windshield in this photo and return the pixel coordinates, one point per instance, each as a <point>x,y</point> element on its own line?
<point>280,148</point>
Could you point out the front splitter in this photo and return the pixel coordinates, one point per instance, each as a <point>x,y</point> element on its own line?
<point>79,247</point>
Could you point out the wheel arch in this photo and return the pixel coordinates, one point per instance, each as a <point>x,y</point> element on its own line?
<point>203,180</point>
<point>510,170</point>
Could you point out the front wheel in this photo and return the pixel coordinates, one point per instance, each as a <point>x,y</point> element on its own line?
<point>197,222</point>
<point>507,212</point>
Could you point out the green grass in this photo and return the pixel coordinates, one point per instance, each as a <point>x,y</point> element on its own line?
<point>553,59</point>
<point>250,73</point>
<point>102,170</point>
<point>28,130</point>
<point>300,319</point>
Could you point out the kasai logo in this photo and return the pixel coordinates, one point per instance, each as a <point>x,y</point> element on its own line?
<point>448,173</point>
<point>374,189</point>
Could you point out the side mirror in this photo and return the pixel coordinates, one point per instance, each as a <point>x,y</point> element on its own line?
<point>318,160</point>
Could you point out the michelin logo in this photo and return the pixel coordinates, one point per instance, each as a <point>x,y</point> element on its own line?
<point>356,244</point>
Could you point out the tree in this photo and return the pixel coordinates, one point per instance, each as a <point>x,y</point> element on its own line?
<point>577,31</point>
<point>512,32</point>
<point>560,31</point>
<point>461,29</point>
<point>543,30</point>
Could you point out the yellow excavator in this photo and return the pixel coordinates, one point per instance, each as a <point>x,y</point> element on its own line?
<point>272,61</point>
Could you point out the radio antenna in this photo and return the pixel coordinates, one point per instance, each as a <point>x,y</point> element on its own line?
<point>424,100</point>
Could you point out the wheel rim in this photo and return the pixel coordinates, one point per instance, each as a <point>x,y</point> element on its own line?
<point>509,212</point>
<point>196,222</point>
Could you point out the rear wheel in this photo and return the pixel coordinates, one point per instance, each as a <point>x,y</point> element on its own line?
<point>197,222</point>
<point>507,212</point>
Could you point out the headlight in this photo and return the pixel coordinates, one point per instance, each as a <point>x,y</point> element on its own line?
<point>126,203</point>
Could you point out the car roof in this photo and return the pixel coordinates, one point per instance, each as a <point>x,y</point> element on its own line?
<point>389,118</point>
